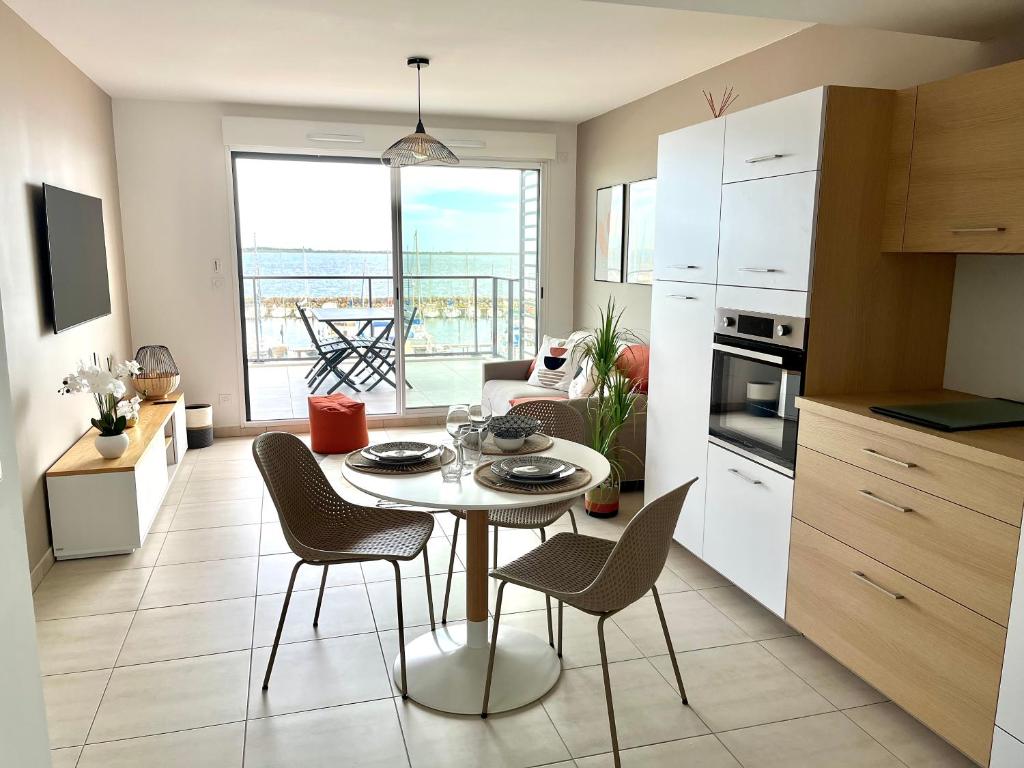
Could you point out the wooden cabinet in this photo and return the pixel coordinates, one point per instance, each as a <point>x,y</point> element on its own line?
<point>776,138</point>
<point>967,167</point>
<point>933,657</point>
<point>768,232</point>
<point>689,198</point>
<point>682,326</point>
<point>746,526</point>
<point>958,552</point>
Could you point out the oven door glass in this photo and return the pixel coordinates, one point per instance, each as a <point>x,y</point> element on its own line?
<point>753,392</point>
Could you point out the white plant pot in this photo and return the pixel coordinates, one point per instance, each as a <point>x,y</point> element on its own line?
<point>112,446</point>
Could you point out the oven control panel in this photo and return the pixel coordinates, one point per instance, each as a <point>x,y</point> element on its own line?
<point>783,330</point>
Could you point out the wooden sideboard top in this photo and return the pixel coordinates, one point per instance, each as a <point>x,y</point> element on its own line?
<point>999,448</point>
<point>82,458</point>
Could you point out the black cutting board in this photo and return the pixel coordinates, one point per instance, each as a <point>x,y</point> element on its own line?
<point>959,415</point>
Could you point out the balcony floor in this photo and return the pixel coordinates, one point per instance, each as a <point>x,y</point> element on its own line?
<point>278,390</point>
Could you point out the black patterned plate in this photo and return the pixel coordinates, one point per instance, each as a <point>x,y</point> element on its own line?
<point>400,452</point>
<point>532,469</point>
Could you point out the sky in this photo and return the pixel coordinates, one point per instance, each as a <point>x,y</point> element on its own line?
<point>347,206</point>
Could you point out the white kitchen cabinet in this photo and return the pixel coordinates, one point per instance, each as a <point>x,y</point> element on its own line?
<point>682,327</point>
<point>689,197</point>
<point>1010,712</point>
<point>768,232</point>
<point>746,526</point>
<point>1007,752</point>
<point>780,137</point>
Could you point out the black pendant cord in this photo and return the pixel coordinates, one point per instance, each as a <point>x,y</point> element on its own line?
<point>419,97</point>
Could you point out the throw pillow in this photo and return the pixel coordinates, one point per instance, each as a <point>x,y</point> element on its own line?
<point>554,368</point>
<point>584,383</point>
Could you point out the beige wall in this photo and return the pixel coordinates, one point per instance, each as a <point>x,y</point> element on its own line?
<point>175,189</point>
<point>621,145</point>
<point>55,127</point>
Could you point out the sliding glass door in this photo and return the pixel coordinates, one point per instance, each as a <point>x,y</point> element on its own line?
<point>321,242</point>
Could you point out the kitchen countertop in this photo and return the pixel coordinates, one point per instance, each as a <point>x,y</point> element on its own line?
<point>1001,448</point>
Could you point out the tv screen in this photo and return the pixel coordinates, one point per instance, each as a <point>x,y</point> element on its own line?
<point>78,257</point>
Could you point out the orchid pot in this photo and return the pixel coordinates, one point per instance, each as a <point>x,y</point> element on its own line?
<point>107,386</point>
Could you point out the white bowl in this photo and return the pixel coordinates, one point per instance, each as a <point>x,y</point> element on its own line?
<point>508,444</point>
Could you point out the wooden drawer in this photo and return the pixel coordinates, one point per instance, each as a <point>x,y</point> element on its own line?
<point>768,232</point>
<point>778,137</point>
<point>967,170</point>
<point>958,552</point>
<point>965,482</point>
<point>933,657</point>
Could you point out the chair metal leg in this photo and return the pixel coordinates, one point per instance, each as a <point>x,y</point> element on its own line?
<point>572,519</point>
<point>608,691</point>
<point>668,642</point>
<point>451,568</point>
<point>430,591</point>
<point>320,599</point>
<point>543,535</point>
<point>561,605</point>
<point>494,644</point>
<point>495,547</point>
<point>401,626</point>
<point>280,624</point>
<point>547,600</point>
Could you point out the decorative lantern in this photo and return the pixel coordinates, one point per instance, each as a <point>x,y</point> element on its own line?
<point>159,376</point>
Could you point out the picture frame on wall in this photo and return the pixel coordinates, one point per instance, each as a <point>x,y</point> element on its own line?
<point>609,235</point>
<point>639,252</point>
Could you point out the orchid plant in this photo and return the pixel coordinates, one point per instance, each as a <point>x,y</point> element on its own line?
<point>106,385</point>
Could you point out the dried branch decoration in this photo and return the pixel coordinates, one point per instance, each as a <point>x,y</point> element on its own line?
<point>728,97</point>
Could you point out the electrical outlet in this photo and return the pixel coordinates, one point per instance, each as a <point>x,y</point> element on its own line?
<point>216,282</point>
<point>225,398</point>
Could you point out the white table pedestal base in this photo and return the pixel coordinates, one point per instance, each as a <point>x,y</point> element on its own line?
<point>446,669</point>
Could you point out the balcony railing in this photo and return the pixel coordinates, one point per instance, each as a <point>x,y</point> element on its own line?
<point>456,315</point>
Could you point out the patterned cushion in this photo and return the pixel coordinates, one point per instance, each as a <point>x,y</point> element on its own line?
<point>555,364</point>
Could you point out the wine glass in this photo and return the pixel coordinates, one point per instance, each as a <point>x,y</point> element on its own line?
<point>457,423</point>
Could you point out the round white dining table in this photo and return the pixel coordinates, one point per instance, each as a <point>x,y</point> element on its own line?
<point>446,668</point>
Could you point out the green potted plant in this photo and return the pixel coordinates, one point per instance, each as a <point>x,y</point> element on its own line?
<point>612,403</point>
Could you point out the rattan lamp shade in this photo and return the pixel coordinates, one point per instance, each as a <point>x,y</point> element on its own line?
<point>419,146</point>
<point>159,376</point>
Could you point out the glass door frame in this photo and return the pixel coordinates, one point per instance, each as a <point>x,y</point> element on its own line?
<point>397,267</point>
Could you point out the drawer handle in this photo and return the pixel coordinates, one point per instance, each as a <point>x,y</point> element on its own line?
<point>976,230</point>
<point>682,296</point>
<point>684,266</point>
<point>883,457</point>
<point>859,575</point>
<point>742,476</point>
<point>763,158</point>
<point>883,502</point>
<point>757,269</point>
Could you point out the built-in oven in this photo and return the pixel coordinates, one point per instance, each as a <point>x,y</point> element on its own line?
<point>757,374</point>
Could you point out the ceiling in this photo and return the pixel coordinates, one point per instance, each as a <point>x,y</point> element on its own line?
<point>564,60</point>
<point>963,19</point>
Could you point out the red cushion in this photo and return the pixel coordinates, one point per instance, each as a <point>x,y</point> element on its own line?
<point>517,400</point>
<point>529,371</point>
<point>635,362</point>
<point>337,424</point>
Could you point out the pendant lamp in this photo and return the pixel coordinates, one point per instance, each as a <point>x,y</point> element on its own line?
<point>418,147</point>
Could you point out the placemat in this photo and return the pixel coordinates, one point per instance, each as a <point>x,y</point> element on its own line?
<point>532,444</point>
<point>577,481</point>
<point>360,463</point>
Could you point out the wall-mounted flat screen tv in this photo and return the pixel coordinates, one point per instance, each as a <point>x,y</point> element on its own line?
<point>77,254</point>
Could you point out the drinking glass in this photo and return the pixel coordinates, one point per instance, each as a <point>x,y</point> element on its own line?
<point>472,445</point>
<point>452,472</point>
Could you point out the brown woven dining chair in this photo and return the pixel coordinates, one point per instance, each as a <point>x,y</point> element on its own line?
<point>323,529</point>
<point>599,577</point>
<point>557,420</point>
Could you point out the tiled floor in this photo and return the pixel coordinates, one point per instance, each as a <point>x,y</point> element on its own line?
<point>156,660</point>
<point>279,390</point>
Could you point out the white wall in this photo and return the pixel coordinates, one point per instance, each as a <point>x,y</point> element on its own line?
<point>23,735</point>
<point>985,355</point>
<point>175,194</point>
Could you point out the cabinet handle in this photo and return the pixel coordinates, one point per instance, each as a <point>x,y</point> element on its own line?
<point>742,476</point>
<point>762,158</point>
<point>883,502</point>
<point>757,269</point>
<point>684,266</point>
<point>681,296</point>
<point>883,457</point>
<point>976,230</point>
<point>859,575</point>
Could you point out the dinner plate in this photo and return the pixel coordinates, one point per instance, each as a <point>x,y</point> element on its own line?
<point>400,450</point>
<point>532,469</point>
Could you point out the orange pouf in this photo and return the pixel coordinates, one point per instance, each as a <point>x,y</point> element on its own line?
<point>337,424</point>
